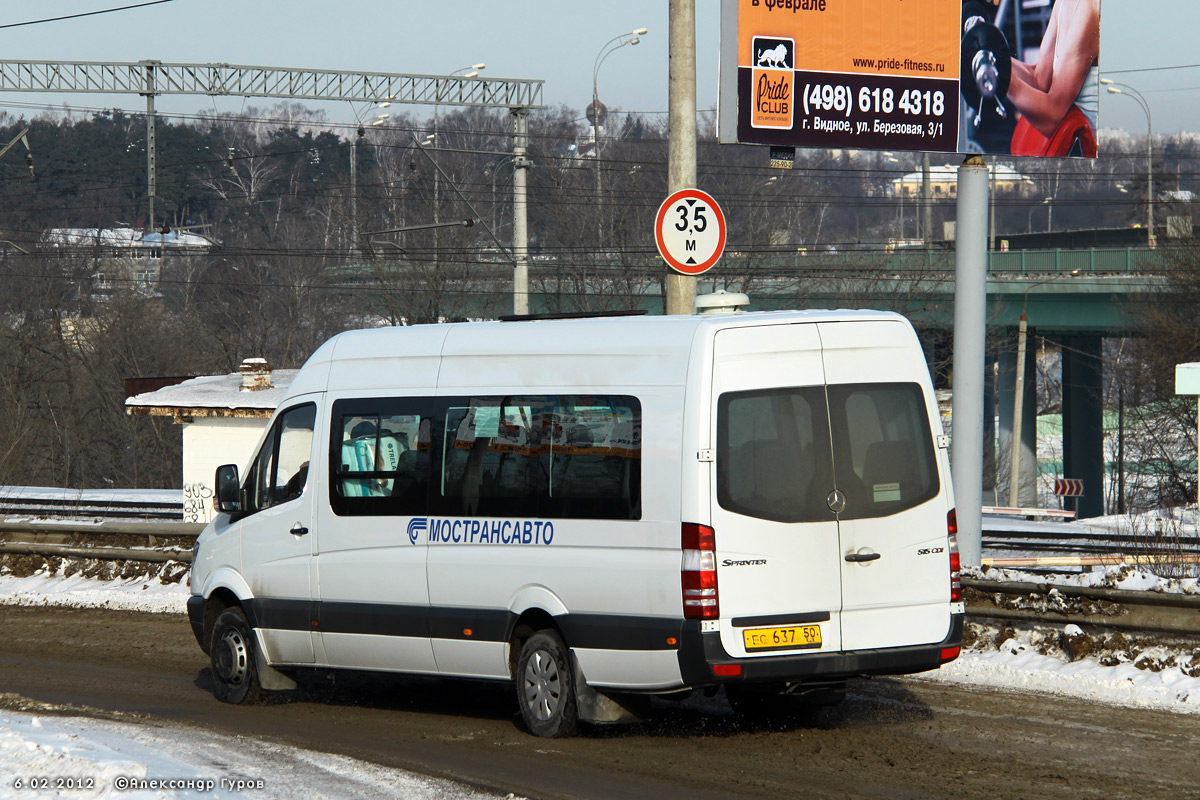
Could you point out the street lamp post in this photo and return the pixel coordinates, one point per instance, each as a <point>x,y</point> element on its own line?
<point>1014,475</point>
<point>1115,87</point>
<point>610,47</point>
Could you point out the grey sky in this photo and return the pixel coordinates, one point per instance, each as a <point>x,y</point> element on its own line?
<point>554,40</point>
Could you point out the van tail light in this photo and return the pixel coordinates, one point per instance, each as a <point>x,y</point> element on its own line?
<point>699,572</point>
<point>955,564</point>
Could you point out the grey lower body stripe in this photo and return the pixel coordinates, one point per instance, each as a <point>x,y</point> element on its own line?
<point>590,631</point>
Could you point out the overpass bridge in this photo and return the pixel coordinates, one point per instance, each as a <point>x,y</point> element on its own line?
<point>1090,292</point>
<point>1078,297</point>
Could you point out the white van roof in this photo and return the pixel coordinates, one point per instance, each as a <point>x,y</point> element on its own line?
<point>593,351</point>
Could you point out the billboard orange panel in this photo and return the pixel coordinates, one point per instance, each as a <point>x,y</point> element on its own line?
<point>902,37</point>
<point>936,75</point>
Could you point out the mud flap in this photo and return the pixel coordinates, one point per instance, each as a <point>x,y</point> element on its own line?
<point>602,708</point>
<point>270,678</point>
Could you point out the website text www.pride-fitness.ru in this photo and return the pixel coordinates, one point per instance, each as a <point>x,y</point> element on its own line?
<point>879,65</point>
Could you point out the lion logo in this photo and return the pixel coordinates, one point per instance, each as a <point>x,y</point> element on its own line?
<point>775,58</point>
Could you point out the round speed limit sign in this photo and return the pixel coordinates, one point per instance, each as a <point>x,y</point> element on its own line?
<point>690,231</point>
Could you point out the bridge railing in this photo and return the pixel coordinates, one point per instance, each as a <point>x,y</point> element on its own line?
<point>1094,261</point>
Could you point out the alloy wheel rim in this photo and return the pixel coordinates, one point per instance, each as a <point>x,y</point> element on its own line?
<point>543,685</point>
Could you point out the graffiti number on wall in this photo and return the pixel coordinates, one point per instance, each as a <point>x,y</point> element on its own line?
<point>197,503</point>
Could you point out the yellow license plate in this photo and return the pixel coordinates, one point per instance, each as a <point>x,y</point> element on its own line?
<point>792,638</point>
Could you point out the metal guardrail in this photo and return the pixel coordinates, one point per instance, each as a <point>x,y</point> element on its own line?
<point>53,538</point>
<point>1045,603</point>
<point>1114,609</point>
<point>85,507</point>
<point>102,553</point>
<point>107,527</point>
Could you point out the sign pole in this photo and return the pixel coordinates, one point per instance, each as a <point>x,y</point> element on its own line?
<point>970,312</point>
<point>681,142</point>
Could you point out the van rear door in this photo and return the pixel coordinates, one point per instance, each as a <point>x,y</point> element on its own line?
<point>778,553</point>
<point>895,565</point>
<point>830,512</point>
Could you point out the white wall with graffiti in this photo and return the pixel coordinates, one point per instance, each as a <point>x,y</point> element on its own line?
<point>209,442</point>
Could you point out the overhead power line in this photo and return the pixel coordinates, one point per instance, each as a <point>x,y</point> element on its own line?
<point>1150,69</point>
<point>84,14</point>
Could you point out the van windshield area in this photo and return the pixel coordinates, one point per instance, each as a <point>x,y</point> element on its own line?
<point>780,452</point>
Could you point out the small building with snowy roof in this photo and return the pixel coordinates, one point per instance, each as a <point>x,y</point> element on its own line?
<point>124,256</point>
<point>223,417</point>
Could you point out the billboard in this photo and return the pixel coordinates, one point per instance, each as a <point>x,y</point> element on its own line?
<point>1015,78</point>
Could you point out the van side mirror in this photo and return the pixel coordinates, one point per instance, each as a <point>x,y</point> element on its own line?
<point>229,489</point>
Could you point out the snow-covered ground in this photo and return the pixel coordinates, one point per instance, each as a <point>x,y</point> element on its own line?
<point>1018,664</point>
<point>103,752</point>
<point>76,591</point>
<point>90,758</point>
<point>52,756</point>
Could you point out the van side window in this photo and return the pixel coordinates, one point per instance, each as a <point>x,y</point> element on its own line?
<point>380,456</point>
<point>279,472</point>
<point>491,462</point>
<point>567,456</point>
<point>883,448</point>
<point>773,456</point>
<point>594,457</point>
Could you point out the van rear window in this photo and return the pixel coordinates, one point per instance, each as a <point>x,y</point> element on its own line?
<point>882,448</point>
<point>773,456</point>
<point>780,452</point>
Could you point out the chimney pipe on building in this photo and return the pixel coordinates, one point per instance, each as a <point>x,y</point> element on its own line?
<point>256,375</point>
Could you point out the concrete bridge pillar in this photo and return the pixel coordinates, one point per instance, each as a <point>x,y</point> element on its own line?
<point>1006,380</point>
<point>990,496</point>
<point>1083,420</point>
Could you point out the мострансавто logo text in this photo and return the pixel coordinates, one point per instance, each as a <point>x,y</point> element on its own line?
<point>480,531</point>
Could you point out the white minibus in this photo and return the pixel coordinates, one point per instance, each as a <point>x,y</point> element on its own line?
<point>596,511</point>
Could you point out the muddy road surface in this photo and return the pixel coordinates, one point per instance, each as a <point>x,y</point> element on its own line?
<point>890,739</point>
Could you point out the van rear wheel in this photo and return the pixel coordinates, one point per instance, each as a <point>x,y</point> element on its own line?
<point>546,686</point>
<point>233,659</point>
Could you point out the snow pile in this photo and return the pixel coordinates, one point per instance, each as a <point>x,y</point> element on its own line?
<point>1112,668</point>
<point>77,591</point>
<point>1017,663</point>
<point>87,758</point>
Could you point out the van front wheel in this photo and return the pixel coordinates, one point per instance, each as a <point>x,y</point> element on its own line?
<point>232,652</point>
<point>545,686</point>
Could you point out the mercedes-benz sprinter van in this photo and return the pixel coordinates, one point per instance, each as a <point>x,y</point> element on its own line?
<point>594,510</point>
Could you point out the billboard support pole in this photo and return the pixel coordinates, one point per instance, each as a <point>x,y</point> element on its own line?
<point>681,142</point>
<point>970,309</point>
